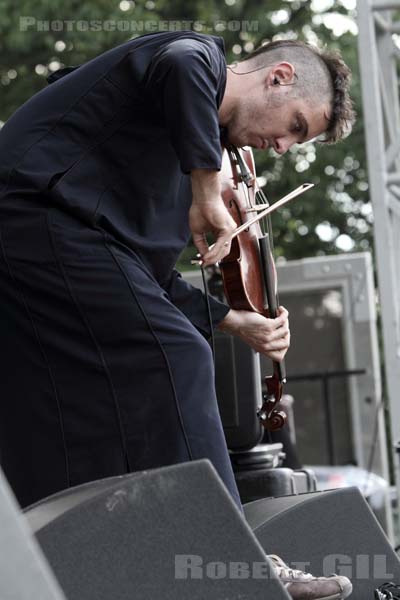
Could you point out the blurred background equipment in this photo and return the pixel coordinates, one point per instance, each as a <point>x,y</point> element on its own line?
<point>333,374</point>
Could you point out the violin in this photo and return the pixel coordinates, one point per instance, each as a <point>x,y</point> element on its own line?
<point>248,271</point>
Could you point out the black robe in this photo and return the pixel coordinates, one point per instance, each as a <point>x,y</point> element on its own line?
<point>104,365</point>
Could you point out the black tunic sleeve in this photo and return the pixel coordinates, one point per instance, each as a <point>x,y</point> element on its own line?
<point>192,302</point>
<point>185,80</point>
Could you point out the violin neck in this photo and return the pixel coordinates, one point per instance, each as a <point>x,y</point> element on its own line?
<point>280,370</point>
<point>268,269</point>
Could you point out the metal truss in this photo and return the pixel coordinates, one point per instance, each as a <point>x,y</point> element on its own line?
<point>379,55</point>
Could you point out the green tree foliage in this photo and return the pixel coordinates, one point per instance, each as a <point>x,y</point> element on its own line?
<point>336,214</point>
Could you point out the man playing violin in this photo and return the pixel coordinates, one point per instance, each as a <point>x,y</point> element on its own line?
<point>104,175</point>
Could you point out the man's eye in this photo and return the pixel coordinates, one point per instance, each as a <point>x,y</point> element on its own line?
<point>298,128</point>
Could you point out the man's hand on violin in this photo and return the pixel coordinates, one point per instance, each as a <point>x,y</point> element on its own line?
<point>270,337</point>
<point>208,214</point>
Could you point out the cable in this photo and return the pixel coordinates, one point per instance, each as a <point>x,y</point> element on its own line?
<point>259,69</point>
<point>246,72</point>
<point>210,321</point>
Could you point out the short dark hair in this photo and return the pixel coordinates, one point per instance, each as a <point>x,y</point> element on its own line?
<point>329,77</point>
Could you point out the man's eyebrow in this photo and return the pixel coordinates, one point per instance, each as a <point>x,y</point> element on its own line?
<point>304,125</point>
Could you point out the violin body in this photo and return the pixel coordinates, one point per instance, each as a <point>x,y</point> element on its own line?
<point>248,271</point>
<point>241,269</point>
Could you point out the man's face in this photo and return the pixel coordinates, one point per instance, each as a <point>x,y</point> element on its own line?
<point>274,119</point>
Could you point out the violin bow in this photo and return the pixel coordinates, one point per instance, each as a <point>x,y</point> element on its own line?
<point>264,213</point>
<point>271,208</point>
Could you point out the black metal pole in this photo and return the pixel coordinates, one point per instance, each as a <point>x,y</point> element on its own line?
<point>330,442</point>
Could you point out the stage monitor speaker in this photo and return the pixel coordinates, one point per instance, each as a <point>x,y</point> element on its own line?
<point>161,534</point>
<point>326,532</point>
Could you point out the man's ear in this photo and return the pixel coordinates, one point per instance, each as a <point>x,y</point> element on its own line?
<point>281,73</point>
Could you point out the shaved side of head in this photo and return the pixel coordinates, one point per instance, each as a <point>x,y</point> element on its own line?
<point>322,77</point>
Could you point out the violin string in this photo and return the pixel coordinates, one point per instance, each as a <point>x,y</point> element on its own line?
<point>267,229</point>
<point>208,306</point>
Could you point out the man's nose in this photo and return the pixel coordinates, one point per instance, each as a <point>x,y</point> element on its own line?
<point>282,145</point>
